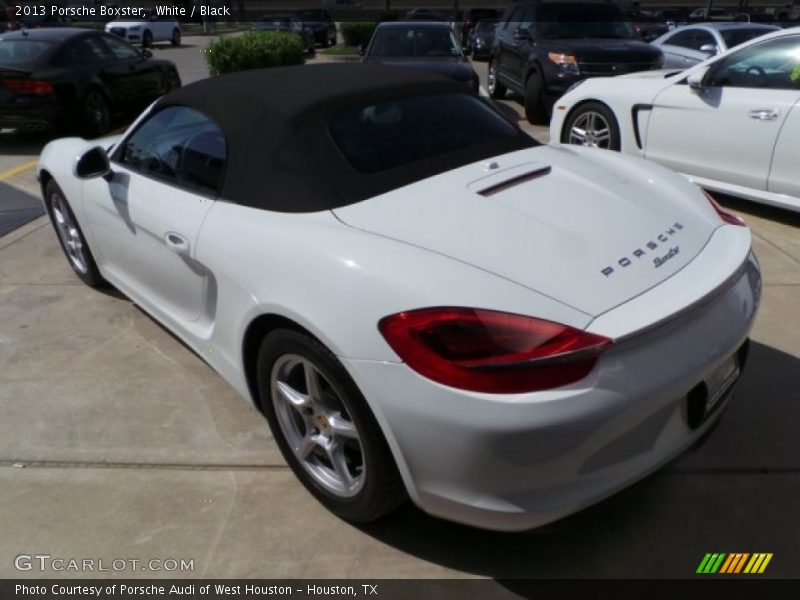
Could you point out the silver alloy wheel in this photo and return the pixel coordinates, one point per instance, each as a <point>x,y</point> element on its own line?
<point>68,232</point>
<point>316,426</point>
<point>590,129</point>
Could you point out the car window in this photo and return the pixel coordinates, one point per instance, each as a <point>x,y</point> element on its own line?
<point>682,39</point>
<point>526,19</point>
<point>583,21</point>
<point>734,37</point>
<point>180,146</point>
<point>382,136</point>
<point>391,42</point>
<point>702,38</point>
<point>121,50</point>
<point>513,19</point>
<point>771,65</point>
<point>92,50</point>
<point>20,53</point>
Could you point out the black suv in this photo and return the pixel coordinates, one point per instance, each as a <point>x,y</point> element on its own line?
<point>543,47</point>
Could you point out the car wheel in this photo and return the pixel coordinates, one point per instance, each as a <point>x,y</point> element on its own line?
<point>176,37</point>
<point>97,113</point>
<point>592,124</point>
<point>70,236</point>
<point>147,39</point>
<point>172,81</point>
<point>325,429</point>
<point>496,89</point>
<point>535,110</point>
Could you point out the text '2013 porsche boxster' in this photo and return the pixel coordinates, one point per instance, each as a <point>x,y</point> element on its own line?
<point>422,300</point>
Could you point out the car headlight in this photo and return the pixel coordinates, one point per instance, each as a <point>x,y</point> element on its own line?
<point>567,62</point>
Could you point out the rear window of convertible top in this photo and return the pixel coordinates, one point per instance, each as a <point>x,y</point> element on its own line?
<point>381,136</point>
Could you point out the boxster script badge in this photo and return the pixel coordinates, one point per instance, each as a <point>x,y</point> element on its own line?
<point>660,260</point>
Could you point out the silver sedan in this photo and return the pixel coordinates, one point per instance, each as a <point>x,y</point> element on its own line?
<point>687,46</point>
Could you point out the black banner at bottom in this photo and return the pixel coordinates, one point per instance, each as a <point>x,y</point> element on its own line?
<point>388,589</point>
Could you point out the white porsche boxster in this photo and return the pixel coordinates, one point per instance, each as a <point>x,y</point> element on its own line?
<point>731,123</point>
<point>422,300</point>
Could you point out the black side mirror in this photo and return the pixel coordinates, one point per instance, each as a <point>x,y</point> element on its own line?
<point>146,53</point>
<point>522,35</point>
<point>362,49</point>
<point>93,163</point>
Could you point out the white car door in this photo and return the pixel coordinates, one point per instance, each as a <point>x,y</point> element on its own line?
<point>726,131</point>
<point>165,27</point>
<point>146,219</point>
<point>784,177</point>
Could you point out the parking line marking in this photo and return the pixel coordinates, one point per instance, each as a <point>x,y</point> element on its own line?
<point>18,169</point>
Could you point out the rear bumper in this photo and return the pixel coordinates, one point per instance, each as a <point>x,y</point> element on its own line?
<point>520,461</point>
<point>33,118</point>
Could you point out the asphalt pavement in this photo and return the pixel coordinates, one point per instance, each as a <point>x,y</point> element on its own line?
<point>116,441</point>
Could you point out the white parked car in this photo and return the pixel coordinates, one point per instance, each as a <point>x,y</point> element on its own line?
<point>422,300</point>
<point>148,30</point>
<point>687,46</point>
<point>731,123</point>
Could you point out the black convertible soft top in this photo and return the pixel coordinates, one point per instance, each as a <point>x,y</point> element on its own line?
<point>281,155</point>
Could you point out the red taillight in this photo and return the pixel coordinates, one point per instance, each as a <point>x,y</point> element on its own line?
<point>489,351</point>
<point>727,217</point>
<point>35,87</point>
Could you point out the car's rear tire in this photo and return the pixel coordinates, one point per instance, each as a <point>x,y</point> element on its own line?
<point>176,37</point>
<point>147,39</point>
<point>96,113</point>
<point>70,236</point>
<point>592,124</point>
<point>325,429</point>
<point>496,89</point>
<point>535,109</point>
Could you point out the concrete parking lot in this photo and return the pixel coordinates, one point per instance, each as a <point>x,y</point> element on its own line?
<point>116,441</point>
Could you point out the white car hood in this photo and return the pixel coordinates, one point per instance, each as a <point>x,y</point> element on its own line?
<point>559,220</point>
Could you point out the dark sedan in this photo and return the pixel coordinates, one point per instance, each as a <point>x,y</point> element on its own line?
<point>76,77</point>
<point>320,24</point>
<point>288,23</point>
<point>426,45</point>
<point>481,38</point>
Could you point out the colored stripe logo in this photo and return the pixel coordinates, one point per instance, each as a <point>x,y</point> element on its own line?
<point>734,563</point>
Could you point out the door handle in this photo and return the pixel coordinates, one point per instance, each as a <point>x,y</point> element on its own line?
<point>765,114</point>
<point>177,243</point>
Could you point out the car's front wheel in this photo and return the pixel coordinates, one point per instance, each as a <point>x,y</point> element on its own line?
<point>147,39</point>
<point>70,236</point>
<point>96,113</point>
<point>176,37</point>
<point>535,109</point>
<point>496,89</point>
<point>594,125</point>
<point>324,428</point>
